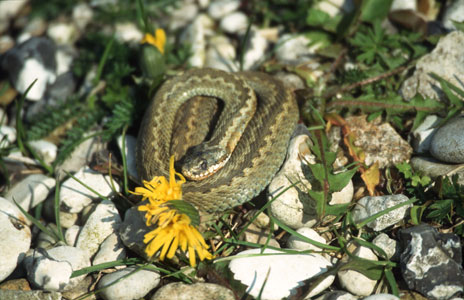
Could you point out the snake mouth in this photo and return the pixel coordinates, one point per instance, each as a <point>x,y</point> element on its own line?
<point>197,176</point>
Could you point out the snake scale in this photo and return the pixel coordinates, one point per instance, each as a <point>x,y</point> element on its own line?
<point>251,134</point>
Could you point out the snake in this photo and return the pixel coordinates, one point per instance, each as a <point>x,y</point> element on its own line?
<point>229,132</point>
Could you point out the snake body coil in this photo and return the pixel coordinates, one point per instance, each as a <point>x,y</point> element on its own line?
<point>251,133</point>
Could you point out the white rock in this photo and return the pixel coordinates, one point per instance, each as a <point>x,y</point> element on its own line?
<point>15,237</point>
<point>295,49</point>
<point>335,7</point>
<point>344,196</point>
<point>454,12</point>
<point>71,235</point>
<point>62,32</point>
<point>289,207</point>
<point>66,219</point>
<point>64,61</point>
<point>104,221</point>
<point>110,250</point>
<point>34,27</point>
<point>45,149</point>
<point>130,144</point>
<point>31,71</point>
<point>128,33</point>
<point>236,22</point>
<point>290,80</point>
<point>28,295</point>
<point>221,54</point>
<point>403,5</point>
<point>31,191</point>
<point>255,50</point>
<point>80,157</point>
<point>49,274</point>
<point>133,230</point>
<point>383,297</point>
<point>196,291</point>
<point>446,60</point>
<point>422,135</point>
<point>16,157</point>
<point>9,9</point>
<point>7,136</point>
<point>368,206</point>
<point>296,243</point>
<point>82,15</point>
<point>195,35</point>
<point>286,272</point>
<point>355,282</point>
<point>140,282</point>
<point>75,196</point>
<point>51,269</point>
<point>218,9</point>
<point>390,246</point>
<point>181,15</point>
<point>203,3</point>
<point>257,235</point>
<point>447,143</point>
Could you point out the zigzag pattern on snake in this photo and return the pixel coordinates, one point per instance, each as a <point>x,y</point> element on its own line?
<point>259,151</point>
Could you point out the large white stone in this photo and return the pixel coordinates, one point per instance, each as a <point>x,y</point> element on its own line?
<point>45,149</point>
<point>15,237</point>
<point>128,33</point>
<point>255,50</point>
<point>292,207</point>
<point>110,250</point>
<point>236,22</point>
<point>76,196</point>
<point>51,269</point>
<point>140,282</point>
<point>103,221</point>
<point>221,54</point>
<point>62,32</point>
<point>31,191</point>
<point>369,206</point>
<point>7,136</point>
<point>295,242</point>
<point>196,291</point>
<point>219,9</point>
<point>31,71</point>
<point>355,282</point>
<point>82,14</point>
<point>195,35</point>
<point>282,272</point>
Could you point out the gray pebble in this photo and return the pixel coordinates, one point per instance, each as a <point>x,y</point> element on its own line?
<point>140,282</point>
<point>448,142</point>
<point>369,206</point>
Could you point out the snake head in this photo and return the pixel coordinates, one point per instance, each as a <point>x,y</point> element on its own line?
<point>203,161</point>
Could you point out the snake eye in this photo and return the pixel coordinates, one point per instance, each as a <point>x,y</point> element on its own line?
<point>204,165</point>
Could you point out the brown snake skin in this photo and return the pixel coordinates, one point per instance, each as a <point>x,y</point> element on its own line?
<point>259,152</point>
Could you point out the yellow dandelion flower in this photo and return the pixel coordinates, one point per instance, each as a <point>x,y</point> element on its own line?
<point>174,229</point>
<point>159,40</point>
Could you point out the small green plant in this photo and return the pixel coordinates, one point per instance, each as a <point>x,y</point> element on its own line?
<point>414,178</point>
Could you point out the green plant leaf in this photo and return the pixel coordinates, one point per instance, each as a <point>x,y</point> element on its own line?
<point>186,208</point>
<point>375,10</point>
<point>340,180</point>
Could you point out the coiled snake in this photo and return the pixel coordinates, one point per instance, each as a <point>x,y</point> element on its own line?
<point>233,162</point>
